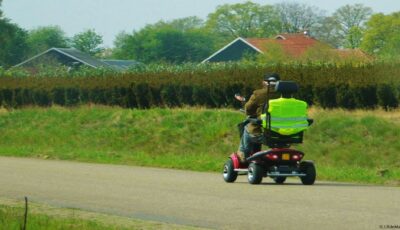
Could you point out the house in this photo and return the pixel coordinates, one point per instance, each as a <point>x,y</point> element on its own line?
<point>73,58</point>
<point>294,45</point>
<point>121,64</point>
<point>62,56</point>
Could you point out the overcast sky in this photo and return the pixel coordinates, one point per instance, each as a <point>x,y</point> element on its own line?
<point>109,17</point>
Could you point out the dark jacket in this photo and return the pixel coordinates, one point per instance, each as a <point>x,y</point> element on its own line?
<point>254,107</point>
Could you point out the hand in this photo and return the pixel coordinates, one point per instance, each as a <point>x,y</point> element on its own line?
<point>240,98</point>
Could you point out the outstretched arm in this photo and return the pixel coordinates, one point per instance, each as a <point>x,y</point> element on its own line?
<point>251,106</point>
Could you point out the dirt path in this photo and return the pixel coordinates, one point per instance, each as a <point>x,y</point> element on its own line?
<point>199,199</point>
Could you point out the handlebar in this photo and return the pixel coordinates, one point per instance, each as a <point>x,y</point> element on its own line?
<point>254,121</point>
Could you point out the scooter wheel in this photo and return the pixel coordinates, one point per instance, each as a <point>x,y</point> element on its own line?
<point>255,174</point>
<point>308,168</point>
<point>229,172</point>
<point>280,179</point>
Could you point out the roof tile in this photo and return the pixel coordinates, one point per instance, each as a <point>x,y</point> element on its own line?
<point>293,44</point>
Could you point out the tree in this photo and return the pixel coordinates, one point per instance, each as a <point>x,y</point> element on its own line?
<point>1,12</point>
<point>185,24</point>
<point>382,35</point>
<point>275,54</point>
<point>88,42</point>
<point>123,46</point>
<point>171,42</point>
<point>44,38</point>
<point>320,52</point>
<point>244,20</point>
<point>296,17</point>
<point>13,45</point>
<point>327,31</point>
<point>350,16</point>
<point>353,37</point>
<point>351,19</point>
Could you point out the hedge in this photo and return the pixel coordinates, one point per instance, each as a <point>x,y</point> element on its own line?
<point>347,86</point>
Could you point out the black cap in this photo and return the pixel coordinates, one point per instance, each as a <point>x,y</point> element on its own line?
<point>271,77</point>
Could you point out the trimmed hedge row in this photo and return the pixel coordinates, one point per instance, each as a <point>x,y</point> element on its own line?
<point>143,96</point>
<point>329,86</point>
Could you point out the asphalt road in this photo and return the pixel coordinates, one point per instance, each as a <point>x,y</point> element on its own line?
<point>199,199</point>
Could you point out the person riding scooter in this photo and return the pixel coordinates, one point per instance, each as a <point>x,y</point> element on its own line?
<point>282,124</point>
<point>252,136</point>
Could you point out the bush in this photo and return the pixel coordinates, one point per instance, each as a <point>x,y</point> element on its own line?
<point>325,96</point>
<point>387,97</point>
<point>345,97</point>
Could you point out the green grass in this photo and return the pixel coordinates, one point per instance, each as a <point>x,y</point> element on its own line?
<point>12,218</point>
<point>359,146</point>
<point>181,138</point>
<point>44,217</point>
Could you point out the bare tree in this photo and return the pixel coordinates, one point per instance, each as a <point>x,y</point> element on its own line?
<point>328,31</point>
<point>352,16</point>
<point>351,20</point>
<point>296,17</point>
<point>244,19</point>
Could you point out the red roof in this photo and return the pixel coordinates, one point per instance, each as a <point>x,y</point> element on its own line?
<point>354,53</point>
<point>293,44</point>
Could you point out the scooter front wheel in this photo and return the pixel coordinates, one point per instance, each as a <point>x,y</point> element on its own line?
<point>229,172</point>
<point>255,174</point>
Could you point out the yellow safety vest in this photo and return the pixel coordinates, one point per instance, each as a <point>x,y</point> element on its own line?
<point>288,116</point>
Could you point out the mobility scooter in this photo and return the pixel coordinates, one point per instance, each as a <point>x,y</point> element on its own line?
<point>279,161</point>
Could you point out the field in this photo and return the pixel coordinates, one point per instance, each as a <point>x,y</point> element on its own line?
<point>358,146</point>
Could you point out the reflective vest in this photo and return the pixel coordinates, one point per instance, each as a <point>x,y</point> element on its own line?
<point>288,116</point>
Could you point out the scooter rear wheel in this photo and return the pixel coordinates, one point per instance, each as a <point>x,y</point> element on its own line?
<point>308,168</point>
<point>280,179</point>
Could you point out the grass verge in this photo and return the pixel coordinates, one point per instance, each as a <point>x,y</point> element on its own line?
<point>358,146</point>
<point>44,217</point>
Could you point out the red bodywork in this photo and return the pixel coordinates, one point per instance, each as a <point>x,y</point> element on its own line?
<point>274,154</point>
<point>236,162</point>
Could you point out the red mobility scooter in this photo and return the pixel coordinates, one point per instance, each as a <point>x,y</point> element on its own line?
<point>279,161</point>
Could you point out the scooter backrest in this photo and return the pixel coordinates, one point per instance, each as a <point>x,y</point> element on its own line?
<point>286,87</point>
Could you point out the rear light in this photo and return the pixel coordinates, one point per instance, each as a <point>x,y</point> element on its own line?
<point>272,156</point>
<point>285,156</point>
<point>297,157</point>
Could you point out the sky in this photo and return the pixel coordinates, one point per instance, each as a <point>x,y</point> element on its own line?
<point>110,17</point>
